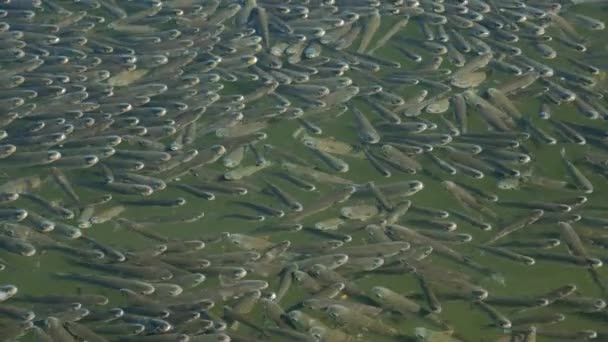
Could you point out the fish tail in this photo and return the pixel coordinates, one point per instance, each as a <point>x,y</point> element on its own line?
<point>598,281</point>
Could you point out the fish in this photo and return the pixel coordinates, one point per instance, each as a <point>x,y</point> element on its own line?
<point>107,215</point>
<point>148,273</point>
<point>7,291</point>
<point>473,65</point>
<point>325,333</point>
<point>331,261</point>
<point>312,174</point>
<point>584,304</point>
<point>393,301</point>
<point>377,162</point>
<point>245,171</point>
<point>389,34</point>
<point>566,259</point>
<point>350,318</point>
<point>360,212</point>
<point>300,320</point>
<point>536,243</point>
<point>561,334</point>
<point>471,220</point>
<point>323,204</point>
<point>524,301</point>
<point>240,287</point>
<point>111,282</point>
<point>492,115</point>
<point>55,329</point>
<point>518,83</point>
<point>178,95</point>
<point>582,182</point>
<point>85,299</point>
<point>408,234</point>
<point>507,253</point>
<point>367,133</point>
<point>285,197</point>
<point>124,329</point>
<point>500,320</point>
<point>401,160</point>
<point>329,224</point>
<point>372,23</point>
<point>17,246</point>
<point>395,189</point>
<point>398,211</point>
<point>37,221</point>
<point>330,291</point>
<point>248,242</point>
<point>516,225</point>
<point>466,200</point>
<point>575,246</point>
<point>434,305</point>
<point>335,163</point>
<point>170,203</point>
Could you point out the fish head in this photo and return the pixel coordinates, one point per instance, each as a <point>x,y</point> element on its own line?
<point>337,312</point>
<point>318,332</point>
<point>8,291</point>
<point>299,276</point>
<point>21,214</point>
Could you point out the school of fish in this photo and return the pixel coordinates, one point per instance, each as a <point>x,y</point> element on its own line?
<point>303,170</point>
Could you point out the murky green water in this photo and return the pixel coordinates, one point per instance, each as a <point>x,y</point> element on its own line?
<point>35,275</point>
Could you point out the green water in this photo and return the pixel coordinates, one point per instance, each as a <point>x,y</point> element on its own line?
<point>34,275</point>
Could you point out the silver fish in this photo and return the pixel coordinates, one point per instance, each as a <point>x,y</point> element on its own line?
<point>582,182</point>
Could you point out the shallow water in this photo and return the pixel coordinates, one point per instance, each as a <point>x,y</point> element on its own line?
<point>34,275</point>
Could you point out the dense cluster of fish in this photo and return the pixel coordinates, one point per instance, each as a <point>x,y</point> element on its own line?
<point>289,144</point>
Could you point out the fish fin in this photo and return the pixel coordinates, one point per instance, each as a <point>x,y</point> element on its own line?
<point>598,281</point>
